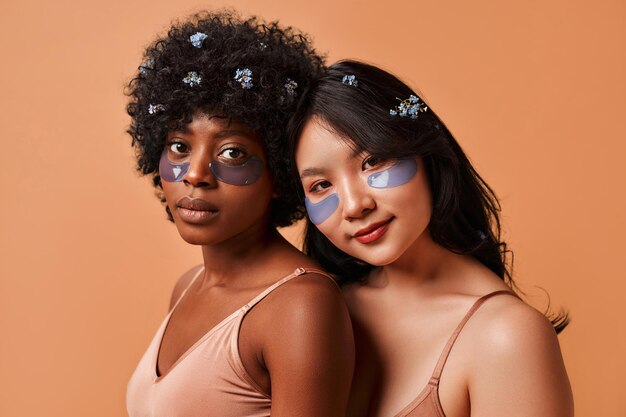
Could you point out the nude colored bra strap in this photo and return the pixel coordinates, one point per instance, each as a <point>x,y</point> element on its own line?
<point>434,380</point>
<point>296,273</point>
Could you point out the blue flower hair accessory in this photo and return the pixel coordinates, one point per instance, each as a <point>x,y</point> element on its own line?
<point>155,108</point>
<point>410,107</point>
<point>192,79</point>
<point>290,87</point>
<point>197,38</point>
<point>244,77</point>
<point>350,80</point>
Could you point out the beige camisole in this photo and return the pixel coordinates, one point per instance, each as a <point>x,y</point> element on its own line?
<point>209,379</point>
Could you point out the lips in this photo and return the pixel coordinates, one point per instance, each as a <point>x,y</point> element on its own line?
<point>372,232</point>
<point>195,210</point>
<point>195,204</point>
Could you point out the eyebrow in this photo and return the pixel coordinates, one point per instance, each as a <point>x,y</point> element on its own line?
<point>234,132</point>
<point>310,172</point>
<point>219,135</point>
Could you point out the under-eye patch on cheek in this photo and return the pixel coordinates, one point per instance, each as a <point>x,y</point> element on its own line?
<point>399,173</point>
<point>171,172</point>
<point>244,174</point>
<point>319,212</point>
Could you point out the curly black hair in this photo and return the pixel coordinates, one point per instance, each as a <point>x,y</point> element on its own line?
<point>280,59</point>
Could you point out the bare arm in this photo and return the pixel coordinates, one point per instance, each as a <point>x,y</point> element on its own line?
<point>309,350</point>
<point>519,370</point>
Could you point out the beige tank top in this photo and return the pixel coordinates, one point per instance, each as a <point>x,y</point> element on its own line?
<point>209,379</point>
<point>427,403</point>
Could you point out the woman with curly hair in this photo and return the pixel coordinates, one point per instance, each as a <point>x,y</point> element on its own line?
<point>256,329</point>
<point>397,211</point>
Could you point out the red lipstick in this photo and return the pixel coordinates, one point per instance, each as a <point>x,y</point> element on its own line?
<point>372,232</point>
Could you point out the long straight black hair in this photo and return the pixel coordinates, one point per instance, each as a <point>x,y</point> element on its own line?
<point>465,213</point>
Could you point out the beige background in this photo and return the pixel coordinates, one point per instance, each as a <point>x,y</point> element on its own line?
<point>534,91</point>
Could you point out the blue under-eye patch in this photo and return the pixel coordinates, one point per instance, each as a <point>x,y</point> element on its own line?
<point>319,212</point>
<point>399,173</point>
<point>170,171</point>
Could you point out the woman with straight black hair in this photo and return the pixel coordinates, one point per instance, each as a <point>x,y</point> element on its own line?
<point>399,214</point>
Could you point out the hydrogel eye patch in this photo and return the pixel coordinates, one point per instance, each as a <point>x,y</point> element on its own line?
<point>171,172</point>
<point>319,212</point>
<point>399,173</point>
<point>244,174</point>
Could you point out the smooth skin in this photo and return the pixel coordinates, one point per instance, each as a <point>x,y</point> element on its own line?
<point>297,344</point>
<point>506,361</point>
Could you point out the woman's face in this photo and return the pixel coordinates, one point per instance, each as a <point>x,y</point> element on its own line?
<point>372,209</point>
<point>215,180</point>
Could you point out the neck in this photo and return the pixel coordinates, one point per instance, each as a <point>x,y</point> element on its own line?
<point>420,265</point>
<point>238,257</point>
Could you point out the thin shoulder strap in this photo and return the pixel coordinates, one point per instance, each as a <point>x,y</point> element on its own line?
<point>434,380</point>
<point>294,274</point>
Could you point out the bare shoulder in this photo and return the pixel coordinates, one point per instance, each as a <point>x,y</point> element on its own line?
<point>519,362</point>
<point>307,337</point>
<point>307,310</point>
<point>307,297</point>
<point>509,326</point>
<point>182,283</point>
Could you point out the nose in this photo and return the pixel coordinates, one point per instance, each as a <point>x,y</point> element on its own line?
<point>200,173</point>
<point>357,200</point>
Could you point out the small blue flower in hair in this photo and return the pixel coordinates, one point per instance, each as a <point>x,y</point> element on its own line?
<point>155,108</point>
<point>350,80</point>
<point>192,79</point>
<point>410,107</point>
<point>244,77</point>
<point>290,87</point>
<point>197,39</point>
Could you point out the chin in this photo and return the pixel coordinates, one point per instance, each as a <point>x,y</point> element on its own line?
<point>194,240</point>
<point>196,237</point>
<point>378,257</point>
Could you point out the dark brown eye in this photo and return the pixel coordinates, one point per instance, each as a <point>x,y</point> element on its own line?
<point>372,162</point>
<point>319,186</point>
<point>178,147</point>
<point>233,155</point>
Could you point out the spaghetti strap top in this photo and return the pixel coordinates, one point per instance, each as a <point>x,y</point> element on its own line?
<point>427,403</point>
<point>209,379</point>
